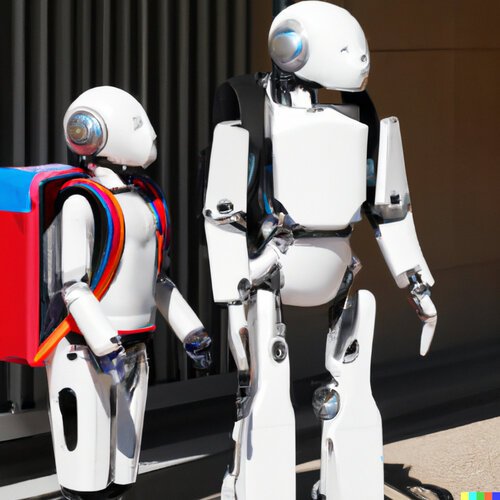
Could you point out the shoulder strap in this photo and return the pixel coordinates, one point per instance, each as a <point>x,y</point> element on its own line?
<point>243,98</point>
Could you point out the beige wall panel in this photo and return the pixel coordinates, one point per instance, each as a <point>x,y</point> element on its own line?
<point>476,197</point>
<point>467,303</point>
<point>261,17</point>
<point>405,24</point>
<point>477,23</point>
<point>417,87</point>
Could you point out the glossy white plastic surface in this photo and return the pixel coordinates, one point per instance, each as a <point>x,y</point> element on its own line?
<point>391,171</point>
<point>267,434</point>
<point>130,135</point>
<point>313,269</point>
<point>92,457</point>
<point>227,250</point>
<point>352,462</point>
<point>177,311</point>
<point>106,451</point>
<point>90,318</point>
<point>227,180</point>
<point>429,325</point>
<point>237,322</point>
<point>337,52</point>
<point>401,250</point>
<point>228,174</point>
<point>319,164</point>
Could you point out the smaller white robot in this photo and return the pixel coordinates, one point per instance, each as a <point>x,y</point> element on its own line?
<point>288,177</point>
<point>98,380</point>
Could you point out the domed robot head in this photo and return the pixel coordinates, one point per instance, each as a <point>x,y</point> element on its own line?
<point>321,43</point>
<point>108,122</point>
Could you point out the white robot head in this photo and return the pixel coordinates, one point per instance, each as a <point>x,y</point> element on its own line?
<point>110,123</point>
<point>321,43</point>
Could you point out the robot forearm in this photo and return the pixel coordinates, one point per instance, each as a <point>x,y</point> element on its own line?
<point>401,250</point>
<point>184,322</point>
<point>87,312</point>
<point>399,245</point>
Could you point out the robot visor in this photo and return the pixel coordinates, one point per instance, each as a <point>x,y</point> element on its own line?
<point>85,133</point>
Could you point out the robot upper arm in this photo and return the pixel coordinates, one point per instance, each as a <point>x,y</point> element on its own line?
<point>225,210</point>
<point>392,195</point>
<point>77,238</point>
<point>395,229</point>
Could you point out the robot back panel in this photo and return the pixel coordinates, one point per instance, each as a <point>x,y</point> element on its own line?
<point>319,164</point>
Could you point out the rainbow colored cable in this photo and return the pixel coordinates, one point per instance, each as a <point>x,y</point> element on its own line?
<point>108,264</point>
<point>153,196</point>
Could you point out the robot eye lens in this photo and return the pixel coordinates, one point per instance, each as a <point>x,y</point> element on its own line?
<point>288,46</point>
<point>84,133</point>
<point>78,132</point>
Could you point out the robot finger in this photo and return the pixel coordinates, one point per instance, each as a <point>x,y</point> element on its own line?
<point>428,328</point>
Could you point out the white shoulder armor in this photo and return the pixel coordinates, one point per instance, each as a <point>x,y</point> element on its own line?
<point>225,210</point>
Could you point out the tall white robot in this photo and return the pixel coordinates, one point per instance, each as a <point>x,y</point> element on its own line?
<point>287,179</point>
<point>98,380</point>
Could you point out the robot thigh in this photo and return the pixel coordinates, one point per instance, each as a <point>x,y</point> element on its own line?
<point>96,424</point>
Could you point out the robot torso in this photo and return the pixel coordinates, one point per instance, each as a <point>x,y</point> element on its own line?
<point>319,175</point>
<point>129,303</point>
<point>319,164</point>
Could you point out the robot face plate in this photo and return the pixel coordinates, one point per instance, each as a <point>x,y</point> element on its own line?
<point>110,123</point>
<point>321,43</point>
<point>85,133</point>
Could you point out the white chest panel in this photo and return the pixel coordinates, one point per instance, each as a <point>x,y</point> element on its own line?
<point>129,302</point>
<point>319,164</point>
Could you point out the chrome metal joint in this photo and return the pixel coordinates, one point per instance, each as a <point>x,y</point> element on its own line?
<point>279,350</point>
<point>235,218</point>
<point>326,402</point>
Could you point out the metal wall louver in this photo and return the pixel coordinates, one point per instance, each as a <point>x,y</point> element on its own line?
<point>170,54</point>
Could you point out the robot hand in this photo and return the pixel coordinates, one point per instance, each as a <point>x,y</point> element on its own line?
<point>426,310</point>
<point>197,346</point>
<point>113,364</point>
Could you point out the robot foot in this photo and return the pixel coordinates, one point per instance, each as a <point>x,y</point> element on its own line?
<point>111,492</point>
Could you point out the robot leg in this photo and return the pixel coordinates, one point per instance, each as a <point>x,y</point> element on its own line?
<point>351,443</point>
<point>130,407</point>
<point>89,418</point>
<point>265,433</point>
<point>80,416</point>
